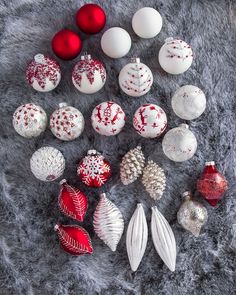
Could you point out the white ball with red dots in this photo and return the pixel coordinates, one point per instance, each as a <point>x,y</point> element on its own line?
<point>150,120</point>
<point>175,56</point>
<point>108,118</point>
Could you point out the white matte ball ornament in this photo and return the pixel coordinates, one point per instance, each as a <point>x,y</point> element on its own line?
<point>175,56</point>
<point>147,22</point>
<point>179,144</point>
<point>116,42</point>
<point>188,102</point>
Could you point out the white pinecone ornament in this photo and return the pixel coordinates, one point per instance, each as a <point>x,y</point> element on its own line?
<point>154,180</point>
<point>132,165</point>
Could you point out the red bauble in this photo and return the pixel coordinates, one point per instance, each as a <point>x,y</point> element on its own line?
<point>91,18</point>
<point>74,239</point>
<point>66,44</point>
<point>94,170</point>
<point>211,184</point>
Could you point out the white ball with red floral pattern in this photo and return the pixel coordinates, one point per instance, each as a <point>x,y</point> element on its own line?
<point>150,120</point>
<point>43,73</point>
<point>108,118</point>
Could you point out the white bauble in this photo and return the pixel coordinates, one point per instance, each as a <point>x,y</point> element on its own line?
<point>147,22</point>
<point>150,120</point>
<point>175,56</point>
<point>116,42</point>
<point>29,120</point>
<point>188,102</point>
<point>179,144</point>
<point>135,78</point>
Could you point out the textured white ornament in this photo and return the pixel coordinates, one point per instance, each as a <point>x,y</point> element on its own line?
<point>108,222</point>
<point>66,123</point>
<point>136,237</point>
<point>175,56</point>
<point>116,42</point>
<point>163,238</point>
<point>147,22</point>
<point>29,120</point>
<point>47,163</point>
<point>108,118</point>
<point>179,144</point>
<point>188,102</point>
<point>150,120</point>
<point>135,78</point>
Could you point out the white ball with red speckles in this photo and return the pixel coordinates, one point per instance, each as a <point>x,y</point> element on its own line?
<point>108,118</point>
<point>66,123</point>
<point>150,120</point>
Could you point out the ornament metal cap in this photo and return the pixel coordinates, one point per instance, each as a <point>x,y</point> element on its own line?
<point>183,125</point>
<point>62,105</point>
<point>210,163</point>
<point>39,58</point>
<point>103,195</point>
<point>187,195</point>
<point>56,227</point>
<point>169,39</point>
<point>135,60</point>
<point>85,56</point>
<point>63,181</point>
<point>93,152</point>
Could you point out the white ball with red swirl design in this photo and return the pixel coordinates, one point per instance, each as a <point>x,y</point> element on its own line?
<point>29,120</point>
<point>108,118</point>
<point>43,73</point>
<point>66,123</point>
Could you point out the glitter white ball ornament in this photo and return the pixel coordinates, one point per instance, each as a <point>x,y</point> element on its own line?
<point>43,73</point>
<point>179,144</point>
<point>108,118</point>
<point>88,75</point>
<point>116,42</point>
<point>66,123</point>
<point>150,120</point>
<point>188,102</point>
<point>47,163</point>
<point>135,78</point>
<point>147,22</point>
<point>175,56</point>
<point>29,120</point>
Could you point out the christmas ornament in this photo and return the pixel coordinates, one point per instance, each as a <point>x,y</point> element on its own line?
<point>43,73</point>
<point>175,56</point>
<point>29,120</point>
<point>192,215</point>
<point>154,180</point>
<point>135,78</point>
<point>91,18</point>
<point>72,202</point>
<point>108,118</point>
<point>179,144</point>
<point>147,22</point>
<point>108,222</point>
<point>94,170</point>
<point>212,184</point>
<point>66,123</point>
<point>47,163</point>
<point>116,42</point>
<point>150,120</point>
<point>66,44</point>
<point>131,166</point>
<point>163,238</point>
<point>136,237</point>
<point>188,102</point>
<point>89,75</point>
<point>74,239</point>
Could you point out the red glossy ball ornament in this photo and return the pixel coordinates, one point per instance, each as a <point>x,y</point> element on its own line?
<point>91,18</point>
<point>212,184</point>
<point>66,44</point>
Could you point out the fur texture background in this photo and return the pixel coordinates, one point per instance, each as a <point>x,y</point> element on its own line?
<point>31,261</point>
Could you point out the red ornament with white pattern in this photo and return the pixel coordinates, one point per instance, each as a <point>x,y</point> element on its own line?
<point>150,120</point>
<point>94,170</point>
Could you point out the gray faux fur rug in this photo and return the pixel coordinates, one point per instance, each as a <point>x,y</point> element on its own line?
<point>31,259</point>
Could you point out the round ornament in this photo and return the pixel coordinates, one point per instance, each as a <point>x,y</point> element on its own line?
<point>108,118</point>
<point>88,75</point>
<point>29,120</point>
<point>135,78</point>
<point>43,73</point>
<point>175,56</point>
<point>150,120</point>
<point>116,42</point>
